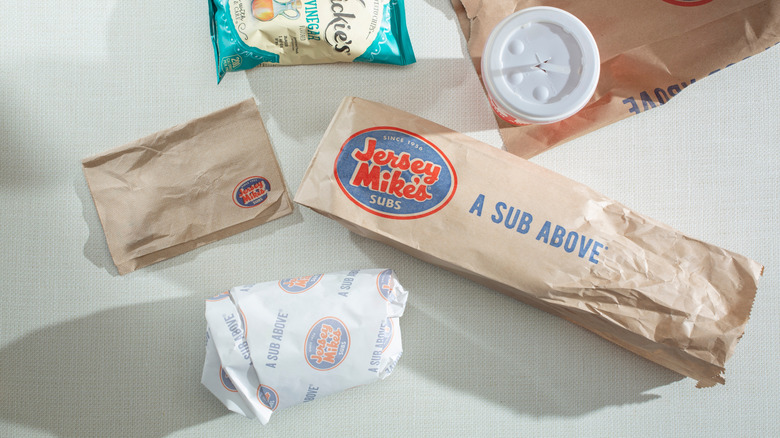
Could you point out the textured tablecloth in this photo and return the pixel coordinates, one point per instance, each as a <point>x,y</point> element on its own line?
<point>86,352</point>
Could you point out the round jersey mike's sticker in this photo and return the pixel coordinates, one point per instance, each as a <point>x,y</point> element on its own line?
<point>395,173</point>
<point>327,344</point>
<point>268,396</point>
<point>225,380</point>
<point>251,192</point>
<point>385,285</point>
<point>299,284</point>
<point>219,297</point>
<point>385,334</point>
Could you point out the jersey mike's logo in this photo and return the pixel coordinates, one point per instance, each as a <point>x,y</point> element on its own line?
<point>385,285</point>
<point>688,2</point>
<point>385,334</point>
<point>394,173</point>
<point>251,192</point>
<point>299,284</point>
<point>219,297</point>
<point>225,380</point>
<point>327,344</point>
<point>268,396</point>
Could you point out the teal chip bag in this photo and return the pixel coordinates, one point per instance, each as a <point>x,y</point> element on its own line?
<point>248,33</point>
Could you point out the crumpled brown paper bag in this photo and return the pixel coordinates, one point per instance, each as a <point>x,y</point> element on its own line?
<point>532,234</point>
<point>650,50</point>
<point>186,186</point>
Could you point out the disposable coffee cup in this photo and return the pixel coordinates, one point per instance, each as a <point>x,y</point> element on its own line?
<point>540,65</point>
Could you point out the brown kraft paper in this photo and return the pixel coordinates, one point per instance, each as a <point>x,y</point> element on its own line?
<point>186,186</point>
<point>650,51</point>
<point>532,234</point>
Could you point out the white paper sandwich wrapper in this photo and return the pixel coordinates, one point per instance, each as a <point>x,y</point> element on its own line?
<point>277,344</point>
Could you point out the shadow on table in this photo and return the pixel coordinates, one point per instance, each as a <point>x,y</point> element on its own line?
<point>480,342</point>
<point>96,247</point>
<point>425,88</point>
<point>129,371</point>
<point>551,373</point>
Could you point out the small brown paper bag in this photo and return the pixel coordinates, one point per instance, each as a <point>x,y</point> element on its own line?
<point>650,50</point>
<point>186,186</point>
<point>532,234</point>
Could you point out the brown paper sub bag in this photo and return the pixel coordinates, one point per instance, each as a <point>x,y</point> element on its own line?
<point>532,234</point>
<point>186,186</point>
<point>650,51</point>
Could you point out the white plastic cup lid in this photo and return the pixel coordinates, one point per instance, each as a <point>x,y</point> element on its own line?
<point>540,65</point>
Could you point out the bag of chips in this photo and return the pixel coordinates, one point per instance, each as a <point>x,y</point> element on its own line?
<point>248,33</point>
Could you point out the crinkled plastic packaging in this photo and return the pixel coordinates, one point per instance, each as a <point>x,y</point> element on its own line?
<point>248,33</point>
<point>281,343</point>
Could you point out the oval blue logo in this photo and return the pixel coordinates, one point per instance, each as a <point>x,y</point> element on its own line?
<point>268,397</point>
<point>395,173</point>
<point>385,285</point>
<point>226,382</point>
<point>327,344</point>
<point>299,284</point>
<point>219,297</point>
<point>385,334</point>
<point>251,192</point>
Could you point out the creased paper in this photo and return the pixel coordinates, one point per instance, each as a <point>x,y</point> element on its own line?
<point>186,186</point>
<point>650,51</point>
<point>532,234</point>
<point>281,343</point>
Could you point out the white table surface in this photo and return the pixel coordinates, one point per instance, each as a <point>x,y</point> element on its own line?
<point>86,352</point>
